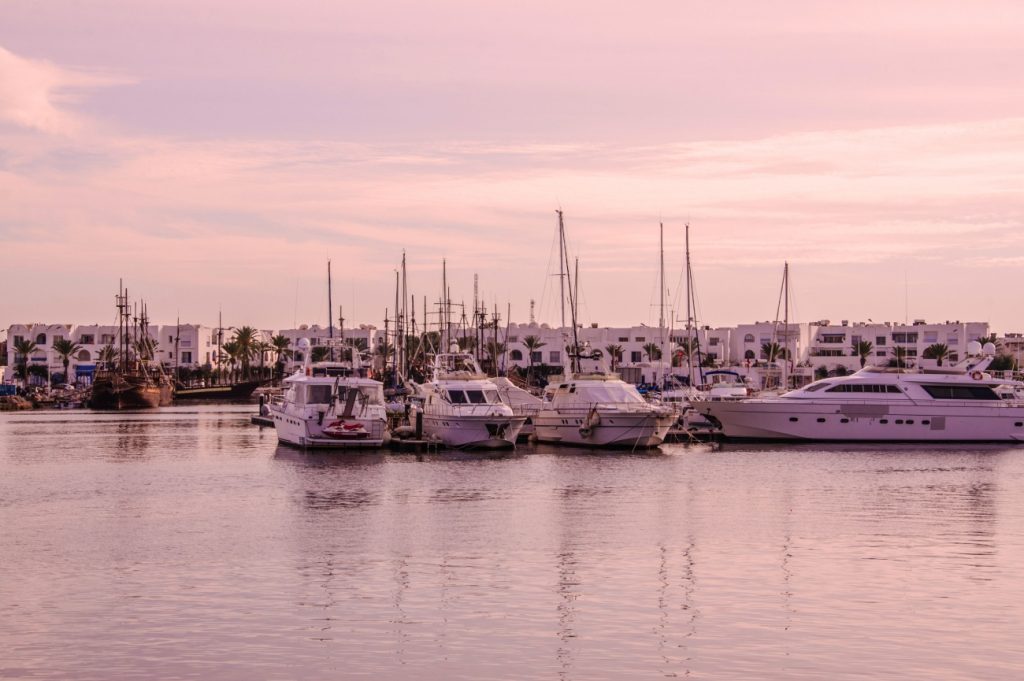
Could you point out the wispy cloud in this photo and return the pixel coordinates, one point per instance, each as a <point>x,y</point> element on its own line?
<point>36,94</point>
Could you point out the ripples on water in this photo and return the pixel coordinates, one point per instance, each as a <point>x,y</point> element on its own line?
<point>186,543</point>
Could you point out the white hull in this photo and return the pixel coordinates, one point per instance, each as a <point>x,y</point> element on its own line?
<point>466,431</point>
<point>875,421</point>
<point>308,433</point>
<point>614,430</point>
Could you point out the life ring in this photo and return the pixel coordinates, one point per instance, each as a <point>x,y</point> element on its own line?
<point>977,375</point>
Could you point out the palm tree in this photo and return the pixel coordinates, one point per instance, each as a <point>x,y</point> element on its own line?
<point>687,348</point>
<point>936,351</point>
<point>467,343</point>
<point>899,356</point>
<point>773,351</point>
<point>233,352</point>
<point>532,344</point>
<point>863,349</point>
<point>280,345</point>
<point>65,348</point>
<point>319,353</point>
<point>262,348</point>
<point>652,351</point>
<point>615,353</point>
<point>494,349</point>
<point>246,338</point>
<point>107,356</point>
<point>23,348</point>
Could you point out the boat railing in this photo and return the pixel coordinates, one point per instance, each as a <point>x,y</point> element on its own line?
<point>622,407</point>
<point>488,409</point>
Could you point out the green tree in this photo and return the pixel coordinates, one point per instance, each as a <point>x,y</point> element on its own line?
<point>319,353</point>
<point>936,351</point>
<point>23,348</point>
<point>232,352</point>
<point>107,356</point>
<point>899,357</point>
<point>65,348</point>
<point>615,354</point>
<point>863,349</point>
<point>246,338</point>
<point>652,351</point>
<point>532,344</point>
<point>773,351</point>
<point>494,350</point>
<point>685,349</point>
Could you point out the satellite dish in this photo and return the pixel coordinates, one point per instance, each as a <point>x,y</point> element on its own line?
<point>303,344</point>
<point>974,348</point>
<point>989,348</point>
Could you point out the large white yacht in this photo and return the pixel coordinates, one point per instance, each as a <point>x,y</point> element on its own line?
<point>462,407</point>
<point>325,406</point>
<point>599,409</point>
<point>959,403</point>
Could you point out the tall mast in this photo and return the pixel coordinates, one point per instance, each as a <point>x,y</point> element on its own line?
<point>330,310</point>
<point>661,316</point>
<point>785,327</point>
<point>405,318</point>
<point>562,264</point>
<point>446,340</point>
<point>398,330</point>
<point>220,340</point>
<point>689,313</point>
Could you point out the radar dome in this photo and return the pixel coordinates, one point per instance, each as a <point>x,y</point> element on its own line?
<point>303,344</point>
<point>989,348</point>
<point>974,348</point>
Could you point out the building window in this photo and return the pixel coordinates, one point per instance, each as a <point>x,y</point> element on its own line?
<point>537,356</point>
<point>832,338</point>
<point>555,356</point>
<point>952,339</point>
<point>636,356</point>
<point>931,336</point>
<point>854,340</point>
<point>641,339</point>
<point>623,340</point>
<point>515,355</point>
<point>19,339</point>
<point>879,340</point>
<point>749,338</point>
<point>512,339</point>
<point>41,339</point>
<point>713,340</point>
<point>87,339</point>
<point>56,339</point>
<point>108,339</point>
<point>749,354</point>
<point>186,357</point>
<point>904,338</point>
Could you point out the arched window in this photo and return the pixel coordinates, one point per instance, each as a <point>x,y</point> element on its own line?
<point>84,356</point>
<point>41,339</point>
<point>749,338</point>
<point>749,354</point>
<point>515,355</point>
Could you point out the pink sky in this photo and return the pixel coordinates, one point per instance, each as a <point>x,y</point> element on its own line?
<point>216,154</point>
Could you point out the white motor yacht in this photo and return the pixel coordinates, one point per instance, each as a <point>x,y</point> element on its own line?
<point>462,407</point>
<point>959,403</point>
<point>323,407</point>
<point>599,409</point>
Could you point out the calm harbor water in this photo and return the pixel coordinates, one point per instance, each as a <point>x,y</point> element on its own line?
<point>185,543</point>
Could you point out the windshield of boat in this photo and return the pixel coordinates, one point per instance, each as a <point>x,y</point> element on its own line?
<point>606,393</point>
<point>457,397</point>
<point>319,394</point>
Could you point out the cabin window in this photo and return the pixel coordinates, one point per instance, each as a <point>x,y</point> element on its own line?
<point>457,397</point>
<point>319,394</point>
<point>844,420</point>
<point>863,388</point>
<point>793,418</point>
<point>492,396</point>
<point>961,392</point>
<point>476,396</point>
<point>814,387</point>
<point>821,420</point>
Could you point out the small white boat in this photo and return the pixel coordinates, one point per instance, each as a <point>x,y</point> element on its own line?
<point>599,409</point>
<point>324,406</point>
<point>462,407</point>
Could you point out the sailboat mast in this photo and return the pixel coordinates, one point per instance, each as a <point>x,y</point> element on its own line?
<point>661,285</point>
<point>330,310</point>
<point>562,267</point>
<point>785,326</point>
<point>689,312</point>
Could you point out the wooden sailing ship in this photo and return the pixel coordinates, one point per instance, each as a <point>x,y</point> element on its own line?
<point>131,379</point>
